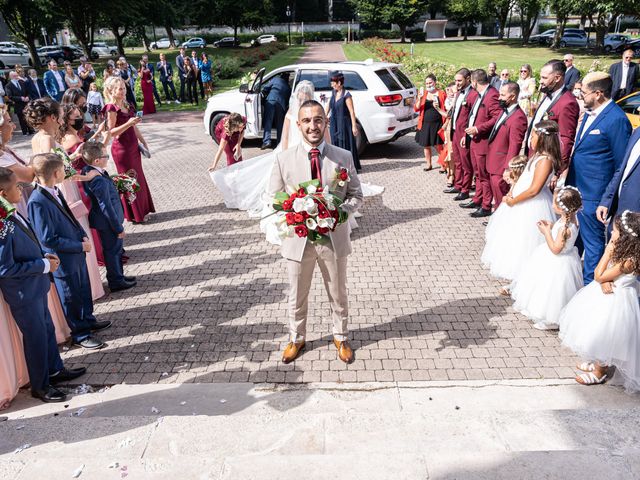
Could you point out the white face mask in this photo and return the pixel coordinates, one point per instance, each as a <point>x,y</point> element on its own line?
<point>34,77</point>
<point>431,89</point>
<point>577,93</point>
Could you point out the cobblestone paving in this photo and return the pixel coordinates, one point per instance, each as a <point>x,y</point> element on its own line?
<point>210,302</point>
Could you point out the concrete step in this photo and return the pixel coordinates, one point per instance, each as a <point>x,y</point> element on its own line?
<point>215,431</point>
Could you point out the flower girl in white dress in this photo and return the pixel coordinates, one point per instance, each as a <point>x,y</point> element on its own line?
<point>512,234</point>
<point>553,273</point>
<point>601,323</point>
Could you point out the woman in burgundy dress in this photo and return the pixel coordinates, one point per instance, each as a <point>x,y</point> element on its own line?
<point>229,132</point>
<point>147,89</point>
<point>121,123</point>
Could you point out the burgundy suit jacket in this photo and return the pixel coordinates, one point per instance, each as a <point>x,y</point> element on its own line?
<point>487,116</point>
<point>565,113</point>
<point>507,142</point>
<point>463,116</point>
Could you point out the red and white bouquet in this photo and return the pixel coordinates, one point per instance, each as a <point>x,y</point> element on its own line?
<point>126,184</point>
<point>308,211</point>
<point>6,210</point>
<point>69,171</point>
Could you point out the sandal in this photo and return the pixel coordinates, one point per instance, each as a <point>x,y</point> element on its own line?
<point>586,367</point>
<point>427,169</point>
<point>590,378</point>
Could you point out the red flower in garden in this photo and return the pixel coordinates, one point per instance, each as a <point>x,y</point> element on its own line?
<point>301,230</point>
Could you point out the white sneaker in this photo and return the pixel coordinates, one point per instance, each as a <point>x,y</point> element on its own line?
<point>178,102</point>
<point>546,326</point>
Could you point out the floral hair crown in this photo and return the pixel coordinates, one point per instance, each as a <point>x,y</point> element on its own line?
<point>561,204</point>
<point>625,224</point>
<point>543,131</point>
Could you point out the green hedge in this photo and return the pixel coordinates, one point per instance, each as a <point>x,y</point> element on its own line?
<point>386,34</point>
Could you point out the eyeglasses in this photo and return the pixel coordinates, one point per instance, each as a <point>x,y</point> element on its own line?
<point>524,71</point>
<point>566,60</point>
<point>504,74</point>
<point>584,94</point>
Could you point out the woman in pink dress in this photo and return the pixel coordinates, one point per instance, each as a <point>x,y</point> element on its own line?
<point>121,124</point>
<point>148,105</point>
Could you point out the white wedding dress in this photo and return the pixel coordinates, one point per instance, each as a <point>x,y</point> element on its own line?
<point>243,185</point>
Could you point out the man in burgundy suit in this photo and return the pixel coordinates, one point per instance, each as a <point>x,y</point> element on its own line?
<point>483,116</point>
<point>505,140</point>
<point>559,105</point>
<point>459,122</point>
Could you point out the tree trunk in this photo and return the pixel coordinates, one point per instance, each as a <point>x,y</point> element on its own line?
<point>561,22</point>
<point>403,33</point>
<point>119,37</point>
<point>466,29</point>
<point>35,59</point>
<point>172,40</point>
<point>145,40</point>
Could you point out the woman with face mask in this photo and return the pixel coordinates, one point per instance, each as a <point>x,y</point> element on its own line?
<point>577,92</point>
<point>430,104</point>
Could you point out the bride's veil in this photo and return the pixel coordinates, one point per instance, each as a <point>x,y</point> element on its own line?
<point>304,91</point>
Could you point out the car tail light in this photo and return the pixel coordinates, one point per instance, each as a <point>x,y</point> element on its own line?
<point>388,100</point>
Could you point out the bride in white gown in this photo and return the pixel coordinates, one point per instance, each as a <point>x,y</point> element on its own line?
<point>243,185</point>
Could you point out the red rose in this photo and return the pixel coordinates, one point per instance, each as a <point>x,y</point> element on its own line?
<point>301,193</point>
<point>3,212</point>
<point>322,230</point>
<point>1,225</point>
<point>319,190</point>
<point>304,214</point>
<point>290,218</point>
<point>298,218</point>
<point>287,204</point>
<point>344,175</point>
<point>301,230</point>
<point>293,196</point>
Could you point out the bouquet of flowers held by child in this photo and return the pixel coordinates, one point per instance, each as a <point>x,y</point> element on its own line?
<point>6,210</point>
<point>69,171</point>
<point>126,184</point>
<point>308,211</point>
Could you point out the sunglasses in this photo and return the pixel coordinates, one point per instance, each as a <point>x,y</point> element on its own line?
<point>524,71</point>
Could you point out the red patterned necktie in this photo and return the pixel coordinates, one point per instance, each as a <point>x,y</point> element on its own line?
<point>314,156</point>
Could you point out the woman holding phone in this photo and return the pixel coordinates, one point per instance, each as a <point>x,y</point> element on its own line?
<point>125,148</point>
<point>430,104</point>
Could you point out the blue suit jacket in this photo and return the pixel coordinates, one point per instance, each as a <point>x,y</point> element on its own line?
<point>22,277</point>
<point>629,197</point>
<point>51,84</point>
<point>599,152</point>
<point>180,65</point>
<point>106,208</point>
<point>32,91</point>
<point>571,77</point>
<point>57,230</point>
<point>163,77</point>
<point>278,91</point>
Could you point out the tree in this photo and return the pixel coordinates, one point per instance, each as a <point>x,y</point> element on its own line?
<point>562,9</point>
<point>466,13</point>
<point>529,11</point>
<point>26,21</point>
<point>233,13</point>
<point>603,13</point>
<point>370,11</point>
<point>82,17</point>
<point>500,9</point>
<point>120,19</point>
<point>404,13</point>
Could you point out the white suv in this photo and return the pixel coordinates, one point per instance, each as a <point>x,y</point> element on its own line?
<point>383,98</point>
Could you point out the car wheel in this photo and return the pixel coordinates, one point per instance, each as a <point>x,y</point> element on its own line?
<point>215,119</point>
<point>563,44</point>
<point>361,140</point>
<point>607,48</point>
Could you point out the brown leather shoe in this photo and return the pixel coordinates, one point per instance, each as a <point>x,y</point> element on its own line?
<point>345,352</point>
<point>291,351</point>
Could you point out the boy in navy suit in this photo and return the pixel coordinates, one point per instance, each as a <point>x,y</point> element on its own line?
<point>106,214</point>
<point>25,283</point>
<point>61,234</point>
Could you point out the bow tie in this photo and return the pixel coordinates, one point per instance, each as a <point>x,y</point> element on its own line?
<point>591,113</point>
<point>550,95</point>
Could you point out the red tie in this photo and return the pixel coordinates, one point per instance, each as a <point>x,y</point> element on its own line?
<point>314,156</point>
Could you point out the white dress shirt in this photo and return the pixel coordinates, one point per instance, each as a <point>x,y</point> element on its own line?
<point>458,105</point>
<point>476,107</point>
<point>591,116</point>
<point>634,156</point>
<point>55,193</point>
<point>625,73</point>
<point>61,86</point>
<point>542,109</point>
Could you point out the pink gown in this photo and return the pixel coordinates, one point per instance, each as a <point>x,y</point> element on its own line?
<point>126,156</point>
<point>13,368</point>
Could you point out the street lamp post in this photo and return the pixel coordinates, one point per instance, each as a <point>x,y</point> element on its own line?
<point>289,23</point>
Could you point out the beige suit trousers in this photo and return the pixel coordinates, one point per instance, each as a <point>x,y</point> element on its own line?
<point>334,275</point>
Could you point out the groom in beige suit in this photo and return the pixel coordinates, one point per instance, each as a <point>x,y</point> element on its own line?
<point>312,159</point>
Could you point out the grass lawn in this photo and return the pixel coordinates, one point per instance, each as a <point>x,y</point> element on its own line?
<point>281,58</point>
<point>478,53</point>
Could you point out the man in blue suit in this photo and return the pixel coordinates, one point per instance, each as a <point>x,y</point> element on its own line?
<point>25,283</point>
<point>61,234</point>
<point>54,82</point>
<point>152,70</point>
<point>623,192</point>
<point>166,78</point>
<point>598,152</point>
<point>277,93</point>
<point>106,214</point>
<point>182,75</point>
<point>35,86</point>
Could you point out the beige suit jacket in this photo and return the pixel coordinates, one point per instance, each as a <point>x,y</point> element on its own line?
<point>292,167</point>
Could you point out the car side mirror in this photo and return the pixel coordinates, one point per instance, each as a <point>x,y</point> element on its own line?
<point>244,88</point>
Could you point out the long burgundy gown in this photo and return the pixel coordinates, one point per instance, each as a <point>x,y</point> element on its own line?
<point>126,156</point>
<point>148,105</point>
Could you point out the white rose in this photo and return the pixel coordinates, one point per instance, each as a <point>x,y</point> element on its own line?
<point>311,189</point>
<point>326,222</point>
<point>285,230</point>
<point>311,224</point>
<point>341,183</point>
<point>299,204</point>
<point>310,206</point>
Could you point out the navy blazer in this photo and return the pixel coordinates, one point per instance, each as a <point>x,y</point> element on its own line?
<point>180,65</point>
<point>51,84</point>
<point>629,196</point>
<point>599,152</point>
<point>615,71</point>
<point>32,91</point>
<point>106,208</point>
<point>152,70</point>
<point>278,91</point>
<point>57,230</point>
<point>22,277</point>
<point>163,77</point>
<point>571,77</point>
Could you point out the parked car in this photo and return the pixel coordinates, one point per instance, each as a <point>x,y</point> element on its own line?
<point>76,51</point>
<point>573,40</point>
<point>614,40</point>
<point>52,52</point>
<point>543,38</point>
<point>264,39</point>
<point>16,56</point>
<point>629,45</point>
<point>631,106</point>
<point>162,43</point>
<point>19,46</point>
<point>227,42</point>
<point>383,98</point>
<point>195,42</point>
<point>101,49</point>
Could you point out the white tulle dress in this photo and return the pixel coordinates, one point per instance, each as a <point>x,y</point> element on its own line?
<point>512,234</point>
<point>606,327</point>
<point>548,281</point>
